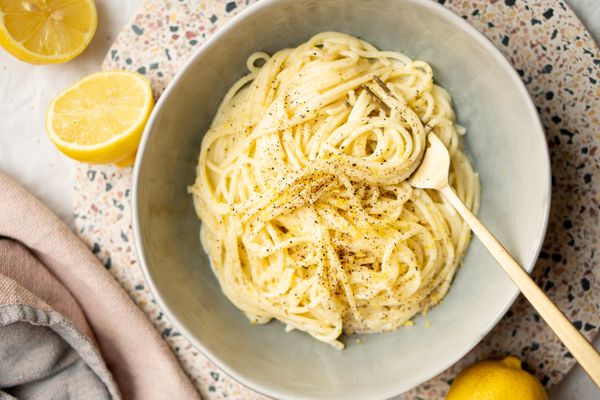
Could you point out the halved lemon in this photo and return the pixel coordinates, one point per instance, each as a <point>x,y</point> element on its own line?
<point>100,119</point>
<point>47,31</point>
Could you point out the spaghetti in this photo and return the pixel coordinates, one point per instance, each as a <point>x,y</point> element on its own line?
<point>307,213</point>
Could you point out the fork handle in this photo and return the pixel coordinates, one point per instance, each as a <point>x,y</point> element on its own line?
<point>585,354</point>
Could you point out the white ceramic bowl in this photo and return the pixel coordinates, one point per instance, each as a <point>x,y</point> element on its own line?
<point>505,140</point>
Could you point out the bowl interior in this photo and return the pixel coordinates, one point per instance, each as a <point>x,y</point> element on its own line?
<point>504,139</point>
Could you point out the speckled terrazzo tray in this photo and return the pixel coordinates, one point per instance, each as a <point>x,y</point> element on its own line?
<point>560,64</point>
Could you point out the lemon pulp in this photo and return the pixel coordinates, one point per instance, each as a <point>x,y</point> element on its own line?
<point>46,31</point>
<point>100,119</point>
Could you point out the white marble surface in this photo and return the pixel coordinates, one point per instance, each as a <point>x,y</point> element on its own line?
<point>28,156</point>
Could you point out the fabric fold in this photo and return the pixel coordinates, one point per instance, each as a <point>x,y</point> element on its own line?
<point>61,307</point>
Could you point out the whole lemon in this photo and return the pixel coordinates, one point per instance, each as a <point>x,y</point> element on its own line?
<point>496,380</point>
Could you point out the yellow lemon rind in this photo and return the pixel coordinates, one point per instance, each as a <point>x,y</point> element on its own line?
<point>127,161</point>
<point>496,380</point>
<point>17,50</point>
<point>119,148</point>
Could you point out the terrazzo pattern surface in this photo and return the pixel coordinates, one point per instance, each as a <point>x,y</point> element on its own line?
<point>559,63</point>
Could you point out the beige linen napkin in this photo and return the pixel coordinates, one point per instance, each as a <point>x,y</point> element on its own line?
<point>67,329</point>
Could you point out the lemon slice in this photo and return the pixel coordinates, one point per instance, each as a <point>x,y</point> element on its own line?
<point>46,31</point>
<point>100,119</point>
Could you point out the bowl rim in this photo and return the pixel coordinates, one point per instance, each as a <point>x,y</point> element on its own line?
<point>403,385</point>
